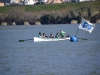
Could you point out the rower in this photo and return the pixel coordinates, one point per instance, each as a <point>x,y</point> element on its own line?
<point>44,35</point>
<point>52,36</point>
<point>62,34</point>
<point>40,35</point>
<point>57,35</point>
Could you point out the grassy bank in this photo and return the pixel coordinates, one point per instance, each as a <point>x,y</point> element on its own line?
<point>55,7</point>
<point>52,11</point>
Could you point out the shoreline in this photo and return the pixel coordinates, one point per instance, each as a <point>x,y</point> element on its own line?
<point>44,24</point>
<point>26,23</point>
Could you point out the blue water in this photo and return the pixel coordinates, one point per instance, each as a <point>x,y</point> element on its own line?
<point>48,58</point>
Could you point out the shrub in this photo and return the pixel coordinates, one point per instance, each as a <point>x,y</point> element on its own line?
<point>67,19</point>
<point>47,19</point>
<point>97,16</point>
<point>2,18</point>
<point>93,19</point>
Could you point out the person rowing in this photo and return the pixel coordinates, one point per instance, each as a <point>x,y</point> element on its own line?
<point>57,35</point>
<point>52,36</point>
<point>44,35</point>
<point>62,34</point>
<point>40,35</point>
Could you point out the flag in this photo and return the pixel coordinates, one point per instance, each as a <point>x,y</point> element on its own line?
<point>87,26</point>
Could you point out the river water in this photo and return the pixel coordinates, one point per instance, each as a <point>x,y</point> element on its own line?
<point>48,58</point>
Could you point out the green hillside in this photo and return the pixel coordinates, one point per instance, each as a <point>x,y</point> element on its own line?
<point>95,6</point>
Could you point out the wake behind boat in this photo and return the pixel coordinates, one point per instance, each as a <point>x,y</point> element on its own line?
<point>38,39</point>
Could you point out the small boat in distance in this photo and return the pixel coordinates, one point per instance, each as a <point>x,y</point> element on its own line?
<point>38,39</point>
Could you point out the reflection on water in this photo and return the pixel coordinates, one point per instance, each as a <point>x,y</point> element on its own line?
<point>48,58</point>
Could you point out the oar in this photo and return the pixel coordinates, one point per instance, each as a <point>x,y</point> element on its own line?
<point>22,40</point>
<point>25,40</point>
<point>82,38</point>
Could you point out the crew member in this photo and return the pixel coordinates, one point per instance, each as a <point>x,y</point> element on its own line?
<point>62,34</point>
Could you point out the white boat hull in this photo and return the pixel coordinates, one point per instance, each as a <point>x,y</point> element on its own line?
<point>37,39</point>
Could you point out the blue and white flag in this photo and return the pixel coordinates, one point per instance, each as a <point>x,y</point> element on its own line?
<point>87,26</point>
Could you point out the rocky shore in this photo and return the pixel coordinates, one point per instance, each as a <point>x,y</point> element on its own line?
<point>39,23</point>
<point>25,23</point>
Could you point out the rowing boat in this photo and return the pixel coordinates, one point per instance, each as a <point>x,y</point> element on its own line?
<point>37,39</point>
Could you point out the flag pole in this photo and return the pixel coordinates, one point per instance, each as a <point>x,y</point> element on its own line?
<point>76,31</point>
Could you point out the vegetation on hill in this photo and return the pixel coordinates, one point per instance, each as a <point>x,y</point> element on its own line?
<point>51,13</point>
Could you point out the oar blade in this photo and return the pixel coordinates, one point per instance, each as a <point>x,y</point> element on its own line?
<point>82,38</point>
<point>21,40</point>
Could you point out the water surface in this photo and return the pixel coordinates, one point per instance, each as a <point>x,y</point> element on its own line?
<point>48,58</point>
